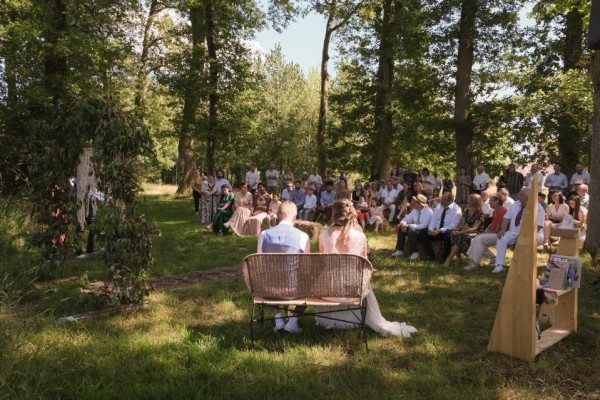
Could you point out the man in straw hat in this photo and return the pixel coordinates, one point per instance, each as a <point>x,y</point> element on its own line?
<point>415,224</point>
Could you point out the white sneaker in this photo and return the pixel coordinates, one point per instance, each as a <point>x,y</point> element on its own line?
<point>292,325</point>
<point>414,256</point>
<point>83,255</point>
<point>398,253</point>
<point>471,267</point>
<point>226,224</point>
<point>499,269</point>
<point>279,323</point>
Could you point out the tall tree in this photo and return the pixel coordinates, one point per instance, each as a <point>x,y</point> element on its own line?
<point>592,240</point>
<point>462,98</point>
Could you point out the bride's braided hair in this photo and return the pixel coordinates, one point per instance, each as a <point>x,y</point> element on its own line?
<point>344,215</point>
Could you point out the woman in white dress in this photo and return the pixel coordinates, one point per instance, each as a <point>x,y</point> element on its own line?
<point>344,237</point>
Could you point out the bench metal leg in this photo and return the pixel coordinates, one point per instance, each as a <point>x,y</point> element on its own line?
<point>363,314</point>
<point>252,323</point>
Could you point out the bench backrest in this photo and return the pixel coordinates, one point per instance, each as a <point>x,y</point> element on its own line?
<point>278,275</point>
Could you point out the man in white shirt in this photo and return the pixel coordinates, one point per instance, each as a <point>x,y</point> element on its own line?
<point>511,226</point>
<point>556,182</point>
<point>508,201</point>
<point>286,194</point>
<point>481,181</point>
<point>388,196</point>
<point>272,176</point>
<point>415,224</point>
<point>220,181</point>
<point>252,179</point>
<point>314,178</point>
<point>447,216</point>
<point>584,197</point>
<point>579,175</point>
<point>534,171</point>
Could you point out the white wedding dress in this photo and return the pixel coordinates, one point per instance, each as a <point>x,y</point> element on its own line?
<point>374,319</point>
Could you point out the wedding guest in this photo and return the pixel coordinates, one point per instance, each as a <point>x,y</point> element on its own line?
<point>534,171</point>
<point>210,200</point>
<point>555,213</point>
<point>445,217</point>
<point>314,178</point>
<point>243,208</point>
<point>479,247</point>
<point>261,209</point>
<point>327,200</point>
<point>273,209</point>
<point>470,225</point>
<point>197,189</point>
<point>463,185</point>
<point>447,183</point>
<point>309,207</point>
<point>224,212</point>
<point>413,225</point>
<point>584,197</point>
<point>272,176</point>
<point>220,181</point>
<point>252,179</point>
<point>557,181</point>
<point>481,181</point>
<point>580,176</point>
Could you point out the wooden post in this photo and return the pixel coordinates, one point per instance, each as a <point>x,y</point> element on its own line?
<point>514,330</point>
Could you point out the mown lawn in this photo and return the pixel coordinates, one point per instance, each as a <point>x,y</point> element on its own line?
<point>193,343</point>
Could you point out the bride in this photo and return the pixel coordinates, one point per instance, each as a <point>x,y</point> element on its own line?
<point>345,237</point>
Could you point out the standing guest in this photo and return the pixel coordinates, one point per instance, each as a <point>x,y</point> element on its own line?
<point>197,182</point>
<point>584,197</point>
<point>409,175</point>
<point>534,171</point>
<point>445,218</point>
<point>428,182</point>
<point>513,181</point>
<point>342,177</point>
<point>243,208</point>
<point>447,183</point>
<point>344,238</point>
<point>210,200</point>
<point>555,213</point>
<point>252,179</point>
<point>287,176</point>
<point>342,191</point>
<point>557,181</point>
<point>309,207</point>
<point>463,185</point>
<point>224,212</point>
<point>388,197</point>
<point>272,176</point>
<point>286,194</point>
<point>273,209</point>
<point>298,195</point>
<point>284,238</point>
<point>481,181</point>
<point>510,227</point>
<point>579,175</point>
<point>314,178</point>
<point>261,209</point>
<point>437,182</point>
<point>326,203</point>
<point>479,247</point>
<point>304,183</point>
<point>470,225</point>
<point>220,181</point>
<point>328,176</point>
<point>413,225</point>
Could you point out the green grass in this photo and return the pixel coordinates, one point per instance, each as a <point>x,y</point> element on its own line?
<point>193,343</point>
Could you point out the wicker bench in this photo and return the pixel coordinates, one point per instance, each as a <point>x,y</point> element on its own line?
<point>281,280</point>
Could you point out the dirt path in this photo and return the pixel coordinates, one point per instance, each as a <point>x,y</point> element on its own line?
<point>190,278</point>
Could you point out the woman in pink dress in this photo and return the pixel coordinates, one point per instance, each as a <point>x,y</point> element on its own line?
<point>243,210</point>
<point>344,238</point>
<point>261,208</point>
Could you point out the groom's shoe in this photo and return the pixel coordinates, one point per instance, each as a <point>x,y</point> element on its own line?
<point>279,322</point>
<point>292,325</point>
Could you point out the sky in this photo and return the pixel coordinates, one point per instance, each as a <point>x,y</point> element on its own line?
<point>301,42</point>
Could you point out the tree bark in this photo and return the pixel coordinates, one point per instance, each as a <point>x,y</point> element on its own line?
<point>462,103</point>
<point>185,159</point>
<point>213,80</point>
<point>140,95</point>
<point>324,97</point>
<point>567,132</point>
<point>55,60</point>
<point>384,128</point>
<point>592,241</point>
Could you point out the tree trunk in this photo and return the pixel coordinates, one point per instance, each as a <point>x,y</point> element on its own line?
<point>384,129</point>
<point>567,132</point>
<point>592,240</point>
<point>142,83</point>
<point>324,103</point>
<point>55,60</point>
<point>185,159</point>
<point>462,102</point>
<point>213,80</point>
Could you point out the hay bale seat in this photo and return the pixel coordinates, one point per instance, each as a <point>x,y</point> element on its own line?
<point>312,229</point>
<point>280,280</point>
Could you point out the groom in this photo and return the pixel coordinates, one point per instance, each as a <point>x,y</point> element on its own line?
<point>284,238</point>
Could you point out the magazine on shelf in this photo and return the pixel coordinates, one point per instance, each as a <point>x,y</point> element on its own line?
<point>562,272</point>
